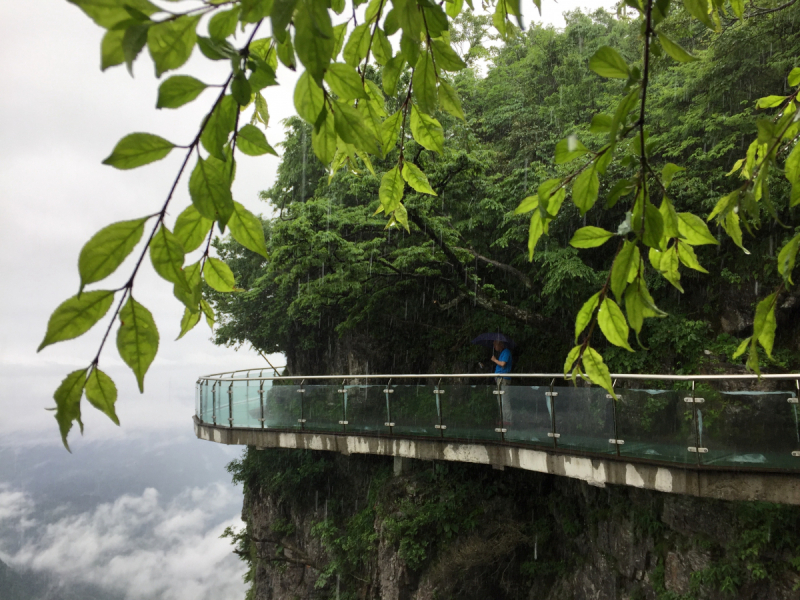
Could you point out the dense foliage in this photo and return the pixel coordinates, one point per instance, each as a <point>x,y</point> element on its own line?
<point>338,282</point>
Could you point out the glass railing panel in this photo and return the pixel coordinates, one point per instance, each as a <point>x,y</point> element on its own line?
<point>527,414</point>
<point>283,406</point>
<point>748,430</point>
<point>655,425</point>
<point>323,407</point>
<point>584,419</point>
<point>246,407</point>
<point>414,410</point>
<point>365,407</point>
<point>470,412</point>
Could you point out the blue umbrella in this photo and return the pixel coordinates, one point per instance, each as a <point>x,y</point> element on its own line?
<point>488,340</point>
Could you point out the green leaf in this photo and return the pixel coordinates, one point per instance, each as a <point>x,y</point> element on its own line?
<point>435,19</point>
<point>137,149</point>
<point>381,48</point>
<point>569,149</point>
<point>449,100</point>
<point>241,90</point>
<point>281,15</point>
<point>694,231</point>
<point>188,322</point>
<point>688,257</point>
<point>699,10</point>
<point>585,190</point>
<point>528,204</point>
<point>390,129</point>
<point>107,13</point>
<point>409,17</point>
<point>102,393</point>
<point>409,49</point>
<point>76,316</point>
<point>597,371</point>
<point>247,229</point>
<point>653,226</point>
<point>344,81</point>
<point>770,101</point>
<point>742,347</point>
<point>572,356</point>
<point>764,324</point>
<point>309,99</point>
<point>424,84</point>
<point>426,130</point>
<point>111,53</point>
<point>417,179</point>
<point>666,263</point>
<point>738,8</point>
<point>623,108</point>
<point>621,267</point>
<point>535,231</point>
<point>286,53</point>
<point>223,24</point>
<point>137,339</point>
<point>787,257</point>
<point>191,228</point>
<point>219,126</point>
<point>190,297</point>
<point>323,139</point>
<point>179,90</point>
<point>218,275</point>
<point>585,314</point>
<point>68,403</point>
<point>252,141</point>
<point>255,10</point>
<point>132,43</point>
<point>314,40</point>
<point>208,312</point>
<point>674,50</point>
<point>590,237</point>
<point>607,62</point>
<point>601,123</point>
<point>210,189</point>
<point>446,58</point>
<point>352,128</point>
<point>794,77</point>
<point>171,42</point>
<point>102,254</point>
<point>355,50</point>
<point>167,256</point>
<point>613,324</point>
<point>668,172</point>
<point>391,190</point>
<point>669,219</point>
<point>216,49</point>
<point>391,74</point>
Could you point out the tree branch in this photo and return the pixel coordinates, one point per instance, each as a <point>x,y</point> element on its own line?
<point>502,266</point>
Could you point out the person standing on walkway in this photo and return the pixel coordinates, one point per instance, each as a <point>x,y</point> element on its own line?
<point>502,361</point>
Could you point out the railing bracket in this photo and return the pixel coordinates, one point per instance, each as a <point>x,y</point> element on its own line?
<point>551,393</point>
<point>553,435</point>
<point>610,397</point>
<point>438,391</point>
<point>500,430</point>
<point>388,391</point>
<point>498,392</point>
<point>792,400</point>
<point>700,450</point>
<point>344,422</point>
<point>440,426</point>
<point>617,442</point>
<point>388,424</point>
<point>796,453</point>
<point>695,400</point>
<point>301,420</point>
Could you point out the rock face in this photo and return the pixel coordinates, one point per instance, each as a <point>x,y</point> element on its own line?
<point>356,530</point>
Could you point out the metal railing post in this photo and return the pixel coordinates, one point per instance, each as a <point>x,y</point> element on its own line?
<point>343,392</point>
<point>500,392</point>
<point>388,391</point>
<point>551,396</point>
<point>617,441</point>
<point>261,402</point>
<point>437,392</point>
<point>794,402</point>
<point>214,402</point>
<point>230,404</point>
<point>302,419</point>
<point>697,449</point>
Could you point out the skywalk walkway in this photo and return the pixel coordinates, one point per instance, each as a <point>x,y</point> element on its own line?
<point>676,434</point>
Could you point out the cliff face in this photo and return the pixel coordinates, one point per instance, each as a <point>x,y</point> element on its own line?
<point>327,526</point>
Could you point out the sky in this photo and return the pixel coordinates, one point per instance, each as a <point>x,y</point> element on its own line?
<point>60,116</point>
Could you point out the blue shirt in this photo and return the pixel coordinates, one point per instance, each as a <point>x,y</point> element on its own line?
<point>505,356</point>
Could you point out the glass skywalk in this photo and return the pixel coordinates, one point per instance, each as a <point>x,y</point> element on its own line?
<point>713,429</point>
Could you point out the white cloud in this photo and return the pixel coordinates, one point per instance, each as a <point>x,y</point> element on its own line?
<point>15,508</point>
<point>138,546</point>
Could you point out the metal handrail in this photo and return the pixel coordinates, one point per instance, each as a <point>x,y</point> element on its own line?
<point>242,371</point>
<point>634,376</point>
